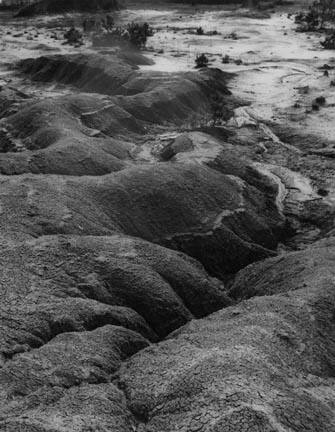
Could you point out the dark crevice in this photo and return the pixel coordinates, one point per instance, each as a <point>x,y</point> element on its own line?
<point>139,412</point>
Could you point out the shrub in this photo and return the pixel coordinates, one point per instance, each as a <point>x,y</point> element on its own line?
<point>320,100</point>
<point>200,31</point>
<point>201,61</point>
<point>217,109</point>
<point>323,192</point>
<point>134,34</point>
<point>109,22</point>
<point>73,36</point>
<point>138,33</point>
<point>232,35</point>
<point>329,41</point>
<point>226,59</point>
<point>310,22</point>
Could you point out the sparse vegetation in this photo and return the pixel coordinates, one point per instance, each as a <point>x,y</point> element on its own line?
<point>307,21</point>
<point>135,34</point>
<point>320,16</point>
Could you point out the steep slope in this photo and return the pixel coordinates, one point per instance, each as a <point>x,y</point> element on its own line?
<point>73,308</point>
<point>266,364</point>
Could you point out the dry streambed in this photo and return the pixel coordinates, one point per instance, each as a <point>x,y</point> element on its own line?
<point>145,274</point>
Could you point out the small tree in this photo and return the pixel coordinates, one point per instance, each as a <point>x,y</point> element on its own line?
<point>139,33</point>
<point>201,61</point>
<point>329,42</point>
<point>73,36</point>
<point>226,59</point>
<point>217,109</point>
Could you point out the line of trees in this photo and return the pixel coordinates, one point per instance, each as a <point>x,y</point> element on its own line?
<point>320,16</point>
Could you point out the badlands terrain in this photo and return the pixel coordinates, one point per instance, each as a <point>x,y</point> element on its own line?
<point>159,273</point>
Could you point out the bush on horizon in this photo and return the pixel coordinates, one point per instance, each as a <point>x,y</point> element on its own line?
<point>201,61</point>
<point>139,33</point>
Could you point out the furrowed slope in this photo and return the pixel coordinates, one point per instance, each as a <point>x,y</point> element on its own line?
<point>266,364</point>
<point>211,216</point>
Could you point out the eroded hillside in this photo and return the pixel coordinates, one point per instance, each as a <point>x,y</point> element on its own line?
<point>159,273</point>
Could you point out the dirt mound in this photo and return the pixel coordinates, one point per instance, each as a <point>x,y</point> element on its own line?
<point>266,364</point>
<point>9,99</point>
<point>308,268</point>
<point>61,6</point>
<point>218,219</point>
<point>48,136</point>
<point>151,97</point>
<point>108,280</point>
<point>73,308</point>
<point>89,133</point>
<point>90,72</point>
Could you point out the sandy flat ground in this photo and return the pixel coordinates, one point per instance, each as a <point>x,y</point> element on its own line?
<point>277,61</point>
